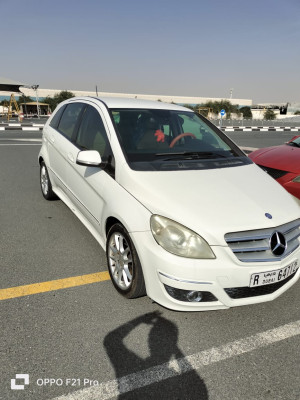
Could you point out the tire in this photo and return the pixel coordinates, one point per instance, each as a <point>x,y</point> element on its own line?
<point>45,182</point>
<point>123,263</point>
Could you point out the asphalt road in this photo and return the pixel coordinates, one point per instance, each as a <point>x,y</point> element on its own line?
<point>86,338</point>
<point>260,139</point>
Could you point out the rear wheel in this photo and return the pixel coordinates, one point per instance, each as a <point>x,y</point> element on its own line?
<point>46,186</point>
<point>123,263</point>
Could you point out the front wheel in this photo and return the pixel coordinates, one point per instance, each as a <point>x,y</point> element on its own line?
<point>123,263</point>
<point>45,182</point>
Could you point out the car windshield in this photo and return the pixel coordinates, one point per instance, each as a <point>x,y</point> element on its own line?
<point>156,139</point>
<point>295,142</point>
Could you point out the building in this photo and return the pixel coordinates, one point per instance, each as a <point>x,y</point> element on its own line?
<point>31,108</point>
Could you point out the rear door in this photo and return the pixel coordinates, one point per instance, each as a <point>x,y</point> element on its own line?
<point>61,136</point>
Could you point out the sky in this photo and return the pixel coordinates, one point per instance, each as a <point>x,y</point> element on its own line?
<point>168,47</point>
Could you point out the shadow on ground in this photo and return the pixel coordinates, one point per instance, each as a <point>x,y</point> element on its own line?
<point>167,377</point>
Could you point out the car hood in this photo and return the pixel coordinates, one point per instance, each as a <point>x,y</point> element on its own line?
<point>285,158</point>
<point>213,202</point>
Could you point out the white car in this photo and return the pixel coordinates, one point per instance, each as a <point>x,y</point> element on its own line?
<point>184,215</point>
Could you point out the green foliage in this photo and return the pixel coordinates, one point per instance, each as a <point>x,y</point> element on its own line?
<point>269,114</point>
<point>217,106</point>
<point>297,112</point>
<point>246,111</point>
<point>189,106</point>
<point>58,98</point>
<point>25,99</point>
<point>52,103</point>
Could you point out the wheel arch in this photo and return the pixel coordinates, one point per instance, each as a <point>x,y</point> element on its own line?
<point>111,221</point>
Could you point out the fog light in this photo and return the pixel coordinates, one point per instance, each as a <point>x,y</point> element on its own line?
<point>194,295</point>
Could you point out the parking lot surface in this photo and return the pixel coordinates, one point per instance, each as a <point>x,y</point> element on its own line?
<point>71,336</point>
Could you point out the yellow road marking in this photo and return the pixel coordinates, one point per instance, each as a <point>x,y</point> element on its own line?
<point>58,284</point>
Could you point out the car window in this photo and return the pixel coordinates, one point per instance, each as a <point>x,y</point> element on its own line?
<point>190,123</point>
<point>91,133</point>
<point>69,119</point>
<point>56,117</point>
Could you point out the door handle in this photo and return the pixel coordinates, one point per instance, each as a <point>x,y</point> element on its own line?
<point>51,137</point>
<point>70,157</point>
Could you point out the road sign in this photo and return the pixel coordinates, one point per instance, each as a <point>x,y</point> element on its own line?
<point>222,112</point>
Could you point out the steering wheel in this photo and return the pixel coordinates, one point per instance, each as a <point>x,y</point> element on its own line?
<point>181,136</point>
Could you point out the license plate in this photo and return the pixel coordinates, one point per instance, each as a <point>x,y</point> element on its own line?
<point>278,275</point>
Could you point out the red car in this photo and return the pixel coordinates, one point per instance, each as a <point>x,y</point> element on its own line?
<point>282,163</point>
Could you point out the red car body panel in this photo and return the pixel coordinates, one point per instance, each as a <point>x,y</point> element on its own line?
<point>282,158</point>
<point>285,158</point>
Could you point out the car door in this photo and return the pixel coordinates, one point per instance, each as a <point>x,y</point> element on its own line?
<point>87,183</point>
<point>61,136</point>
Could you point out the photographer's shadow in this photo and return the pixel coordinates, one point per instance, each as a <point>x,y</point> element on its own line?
<point>167,378</point>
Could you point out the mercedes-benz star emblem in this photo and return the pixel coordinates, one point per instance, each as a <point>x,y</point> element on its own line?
<point>278,244</point>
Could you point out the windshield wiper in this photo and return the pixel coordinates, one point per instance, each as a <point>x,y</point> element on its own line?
<point>190,155</point>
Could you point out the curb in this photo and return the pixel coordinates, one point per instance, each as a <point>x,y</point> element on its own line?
<point>21,127</point>
<point>260,129</point>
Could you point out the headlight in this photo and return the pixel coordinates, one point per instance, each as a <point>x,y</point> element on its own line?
<point>297,179</point>
<point>178,239</point>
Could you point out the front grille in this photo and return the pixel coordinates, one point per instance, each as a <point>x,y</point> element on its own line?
<point>243,292</point>
<point>275,173</point>
<point>254,246</point>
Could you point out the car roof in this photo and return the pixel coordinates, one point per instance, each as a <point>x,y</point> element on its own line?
<point>120,102</point>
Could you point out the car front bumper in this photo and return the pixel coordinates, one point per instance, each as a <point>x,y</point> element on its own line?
<point>163,270</point>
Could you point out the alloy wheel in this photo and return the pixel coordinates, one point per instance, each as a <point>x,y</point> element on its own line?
<point>120,261</point>
<point>44,180</point>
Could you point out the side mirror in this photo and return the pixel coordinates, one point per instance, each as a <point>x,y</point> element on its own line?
<point>89,158</point>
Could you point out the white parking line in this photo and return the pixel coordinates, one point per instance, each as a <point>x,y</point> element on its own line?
<point>180,366</point>
<point>24,140</point>
<point>20,144</point>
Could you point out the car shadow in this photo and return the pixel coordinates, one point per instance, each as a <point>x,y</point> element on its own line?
<point>164,373</point>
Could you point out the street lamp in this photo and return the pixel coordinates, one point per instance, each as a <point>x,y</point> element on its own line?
<point>35,88</point>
